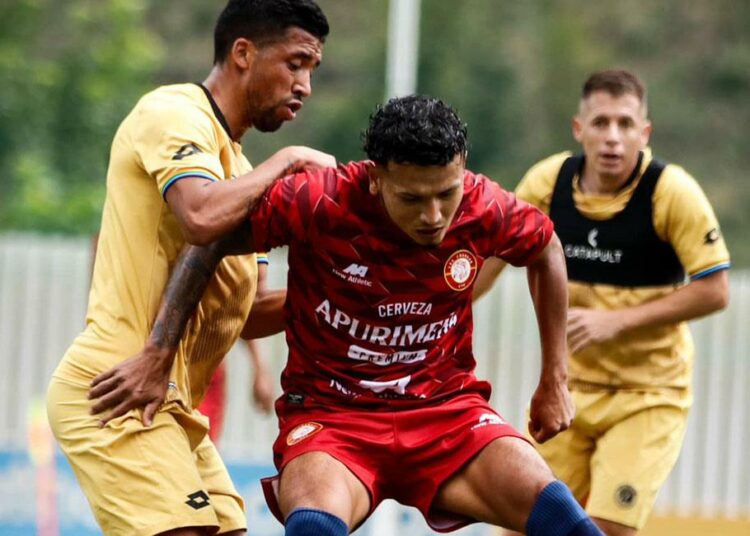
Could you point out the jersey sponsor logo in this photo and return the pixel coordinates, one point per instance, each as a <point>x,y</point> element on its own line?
<point>592,237</point>
<point>185,151</point>
<point>404,308</point>
<point>383,359</point>
<point>198,500</point>
<point>626,496</point>
<point>398,335</point>
<point>487,419</point>
<point>303,431</point>
<point>398,386</point>
<point>341,389</point>
<point>460,269</point>
<point>712,236</point>
<point>355,274</point>
<point>591,252</point>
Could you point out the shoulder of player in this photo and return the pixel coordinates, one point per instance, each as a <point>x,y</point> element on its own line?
<point>334,183</point>
<point>545,171</point>
<point>675,183</point>
<point>178,103</point>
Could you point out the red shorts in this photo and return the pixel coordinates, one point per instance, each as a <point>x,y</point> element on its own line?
<point>402,455</point>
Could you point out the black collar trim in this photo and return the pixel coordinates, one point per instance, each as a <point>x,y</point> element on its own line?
<point>216,109</point>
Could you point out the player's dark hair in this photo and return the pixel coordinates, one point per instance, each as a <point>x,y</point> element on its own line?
<point>415,130</point>
<point>261,21</point>
<point>616,82</point>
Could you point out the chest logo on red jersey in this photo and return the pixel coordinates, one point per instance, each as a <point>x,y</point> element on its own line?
<point>303,431</point>
<point>460,269</point>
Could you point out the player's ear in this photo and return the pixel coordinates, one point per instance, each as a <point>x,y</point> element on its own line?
<point>577,127</point>
<point>375,173</point>
<point>243,52</point>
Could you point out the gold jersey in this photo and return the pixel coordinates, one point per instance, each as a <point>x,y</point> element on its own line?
<point>172,133</point>
<point>659,356</point>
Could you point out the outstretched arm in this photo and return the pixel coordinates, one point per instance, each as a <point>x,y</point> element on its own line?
<point>551,406</point>
<point>142,380</point>
<point>208,210</point>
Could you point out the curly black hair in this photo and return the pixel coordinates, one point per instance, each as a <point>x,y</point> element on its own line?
<point>264,20</point>
<point>417,130</point>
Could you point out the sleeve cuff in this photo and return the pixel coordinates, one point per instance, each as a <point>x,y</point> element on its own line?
<point>186,175</point>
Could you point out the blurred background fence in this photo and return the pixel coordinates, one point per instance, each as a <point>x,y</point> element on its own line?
<point>70,71</point>
<point>44,286</point>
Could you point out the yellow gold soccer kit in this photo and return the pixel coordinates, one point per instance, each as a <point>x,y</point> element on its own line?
<point>632,393</point>
<point>137,480</point>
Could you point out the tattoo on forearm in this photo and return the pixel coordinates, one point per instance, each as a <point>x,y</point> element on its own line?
<point>190,277</point>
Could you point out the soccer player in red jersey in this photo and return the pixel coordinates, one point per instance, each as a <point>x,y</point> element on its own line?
<point>380,397</point>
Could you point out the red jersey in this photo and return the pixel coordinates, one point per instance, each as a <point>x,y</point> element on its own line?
<point>374,319</point>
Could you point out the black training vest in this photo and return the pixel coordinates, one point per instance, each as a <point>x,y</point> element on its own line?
<point>624,250</point>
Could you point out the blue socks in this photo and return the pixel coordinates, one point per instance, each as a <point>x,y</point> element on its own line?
<point>311,522</point>
<point>557,513</point>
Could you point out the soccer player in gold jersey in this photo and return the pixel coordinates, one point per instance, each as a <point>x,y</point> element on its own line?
<point>177,176</point>
<point>644,255</point>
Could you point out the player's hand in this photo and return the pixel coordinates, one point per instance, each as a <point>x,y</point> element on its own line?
<point>552,410</point>
<point>299,157</point>
<point>140,381</point>
<point>589,326</point>
<point>263,391</point>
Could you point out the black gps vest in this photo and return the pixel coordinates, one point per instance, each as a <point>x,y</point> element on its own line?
<point>624,250</point>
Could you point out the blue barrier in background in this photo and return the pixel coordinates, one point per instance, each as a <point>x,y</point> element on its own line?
<point>18,502</point>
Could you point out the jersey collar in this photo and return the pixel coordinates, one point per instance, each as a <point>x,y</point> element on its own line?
<point>216,109</point>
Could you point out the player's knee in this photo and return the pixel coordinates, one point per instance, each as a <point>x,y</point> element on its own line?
<point>311,522</point>
<point>557,513</point>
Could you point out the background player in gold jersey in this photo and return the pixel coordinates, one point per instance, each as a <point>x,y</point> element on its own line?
<point>632,230</point>
<point>177,175</point>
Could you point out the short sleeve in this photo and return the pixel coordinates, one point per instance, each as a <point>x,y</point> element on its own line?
<point>519,231</point>
<point>175,141</point>
<point>288,210</point>
<point>684,217</point>
<point>538,183</point>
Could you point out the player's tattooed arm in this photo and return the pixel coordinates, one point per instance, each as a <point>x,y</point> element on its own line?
<point>142,381</point>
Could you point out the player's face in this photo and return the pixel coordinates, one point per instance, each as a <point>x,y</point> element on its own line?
<point>612,130</point>
<point>280,78</point>
<point>421,200</point>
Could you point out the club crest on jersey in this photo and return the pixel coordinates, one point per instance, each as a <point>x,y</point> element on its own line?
<point>303,431</point>
<point>460,269</point>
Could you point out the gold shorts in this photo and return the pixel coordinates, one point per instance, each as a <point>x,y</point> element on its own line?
<point>143,481</point>
<point>620,449</point>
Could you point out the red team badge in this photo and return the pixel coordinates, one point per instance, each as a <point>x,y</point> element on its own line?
<point>460,269</point>
<point>303,431</point>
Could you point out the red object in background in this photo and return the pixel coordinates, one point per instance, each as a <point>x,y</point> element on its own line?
<point>214,402</point>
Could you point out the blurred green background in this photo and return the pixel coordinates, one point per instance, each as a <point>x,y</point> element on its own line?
<point>71,70</point>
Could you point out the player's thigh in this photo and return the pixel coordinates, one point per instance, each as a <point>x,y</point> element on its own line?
<point>225,499</point>
<point>632,461</point>
<point>138,481</point>
<point>499,486</point>
<point>318,480</point>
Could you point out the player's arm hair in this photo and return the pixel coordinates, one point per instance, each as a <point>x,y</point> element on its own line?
<point>191,274</point>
